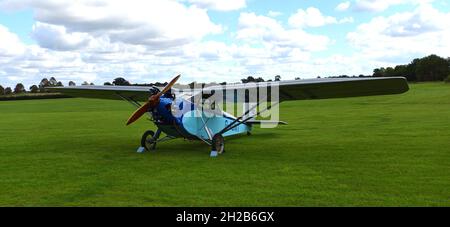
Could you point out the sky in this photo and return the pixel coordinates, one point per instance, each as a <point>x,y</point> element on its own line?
<point>214,41</point>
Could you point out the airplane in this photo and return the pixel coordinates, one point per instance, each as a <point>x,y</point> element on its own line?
<point>193,114</point>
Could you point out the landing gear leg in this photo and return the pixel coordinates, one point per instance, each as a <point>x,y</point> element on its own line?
<point>148,141</point>
<point>218,145</point>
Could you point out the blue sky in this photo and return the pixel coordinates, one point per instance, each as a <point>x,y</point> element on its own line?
<point>206,40</point>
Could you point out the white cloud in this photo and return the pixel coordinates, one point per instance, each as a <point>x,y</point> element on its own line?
<point>343,6</point>
<point>267,31</point>
<point>346,20</point>
<point>381,5</point>
<point>312,17</point>
<point>220,5</point>
<point>251,25</point>
<point>403,35</point>
<point>95,50</point>
<point>157,24</point>
<point>274,13</point>
<point>10,44</point>
<point>375,5</point>
<point>56,37</point>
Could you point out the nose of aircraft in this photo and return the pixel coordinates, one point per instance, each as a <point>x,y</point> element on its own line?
<point>152,102</point>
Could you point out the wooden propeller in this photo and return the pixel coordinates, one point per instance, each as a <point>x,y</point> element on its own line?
<point>152,102</point>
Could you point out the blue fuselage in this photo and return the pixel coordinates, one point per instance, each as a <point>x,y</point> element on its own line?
<point>191,122</point>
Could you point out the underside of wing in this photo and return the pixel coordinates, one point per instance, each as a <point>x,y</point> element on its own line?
<point>309,89</point>
<point>105,92</point>
<point>342,88</point>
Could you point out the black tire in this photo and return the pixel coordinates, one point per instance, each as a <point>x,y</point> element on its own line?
<point>218,144</point>
<point>148,141</point>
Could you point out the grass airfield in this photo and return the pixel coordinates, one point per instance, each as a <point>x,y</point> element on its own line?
<point>369,151</point>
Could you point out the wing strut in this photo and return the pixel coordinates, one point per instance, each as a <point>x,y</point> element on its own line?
<point>217,141</point>
<point>237,122</point>
<point>130,100</point>
<point>226,129</point>
<point>133,102</point>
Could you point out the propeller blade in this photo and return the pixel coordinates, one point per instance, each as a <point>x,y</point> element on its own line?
<point>138,113</point>
<point>168,86</point>
<point>152,102</point>
<point>154,99</point>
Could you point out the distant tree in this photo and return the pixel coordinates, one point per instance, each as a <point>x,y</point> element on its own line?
<point>400,70</point>
<point>277,78</point>
<point>92,84</point>
<point>71,84</point>
<point>2,90</point>
<point>52,82</point>
<point>34,89</point>
<point>248,79</point>
<point>407,71</point>
<point>19,88</point>
<point>410,72</point>
<point>432,68</point>
<point>259,79</point>
<point>119,81</point>
<point>251,79</point>
<point>378,72</point>
<point>297,78</point>
<point>159,84</point>
<point>389,72</point>
<point>43,84</point>
<point>223,83</point>
<point>107,84</point>
<point>8,91</point>
<point>85,83</point>
<point>59,84</point>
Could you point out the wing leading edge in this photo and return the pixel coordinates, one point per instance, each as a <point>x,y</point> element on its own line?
<point>320,88</point>
<point>105,92</point>
<point>288,90</point>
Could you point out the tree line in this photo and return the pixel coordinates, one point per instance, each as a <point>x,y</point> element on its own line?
<point>430,68</point>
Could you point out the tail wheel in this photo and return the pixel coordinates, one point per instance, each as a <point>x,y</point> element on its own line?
<point>218,143</point>
<point>148,141</point>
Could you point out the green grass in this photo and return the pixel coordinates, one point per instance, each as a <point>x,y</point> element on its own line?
<point>370,151</point>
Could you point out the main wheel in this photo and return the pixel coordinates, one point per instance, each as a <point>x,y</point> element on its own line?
<point>218,143</point>
<point>148,141</point>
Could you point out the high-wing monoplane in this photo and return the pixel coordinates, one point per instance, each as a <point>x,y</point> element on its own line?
<point>196,114</point>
